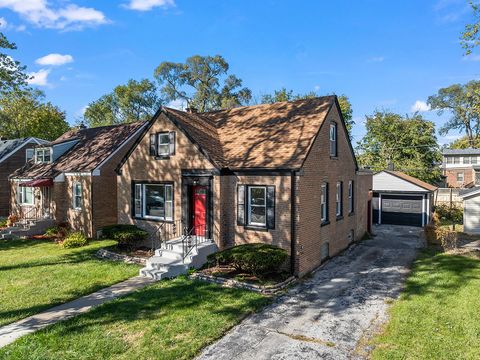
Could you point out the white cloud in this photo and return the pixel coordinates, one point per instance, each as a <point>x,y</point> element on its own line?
<point>42,14</point>
<point>420,106</point>
<point>178,104</point>
<point>39,78</point>
<point>471,57</point>
<point>54,59</point>
<point>316,87</point>
<point>3,23</point>
<point>376,59</point>
<point>147,5</point>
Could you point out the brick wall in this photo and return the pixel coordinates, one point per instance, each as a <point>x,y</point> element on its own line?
<point>79,219</point>
<point>451,176</point>
<point>7,167</point>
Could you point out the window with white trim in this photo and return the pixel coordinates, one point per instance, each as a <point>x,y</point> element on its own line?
<point>473,160</point>
<point>460,176</point>
<point>77,196</point>
<point>25,195</point>
<point>324,202</point>
<point>350,197</point>
<point>466,160</point>
<point>333,139</point>
<point>448,160</point>
<point>257,205</point>
<point>153,201</point>
<point>456,159</point>
<point>162,144</point>
<point>43,155</point>
<point>29,154</point>
<point>338,199</point>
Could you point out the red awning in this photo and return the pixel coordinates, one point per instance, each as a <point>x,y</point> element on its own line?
<point>37,183</point>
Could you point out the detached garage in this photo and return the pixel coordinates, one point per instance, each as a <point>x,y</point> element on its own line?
<point>400,199</point>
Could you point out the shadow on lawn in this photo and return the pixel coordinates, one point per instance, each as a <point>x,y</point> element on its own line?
<point>164,298</point>
<point>452,273</point>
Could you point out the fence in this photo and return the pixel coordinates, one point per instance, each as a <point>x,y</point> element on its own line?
<point>448,196</point>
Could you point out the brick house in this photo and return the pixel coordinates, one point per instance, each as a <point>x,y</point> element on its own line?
<point>13,155</point>
<point>283,174</point>
<point>461,167</point>
<point>73,179</point>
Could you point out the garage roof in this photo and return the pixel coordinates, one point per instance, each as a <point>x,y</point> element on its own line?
<point>388,180</point>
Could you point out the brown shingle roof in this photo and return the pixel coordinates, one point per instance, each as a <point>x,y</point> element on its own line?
<point>412,179</point>
<point>267,136</point>
<point>93,147</point>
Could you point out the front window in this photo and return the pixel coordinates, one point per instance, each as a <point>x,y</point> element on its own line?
<point>350,197</point>
<point>77,196</point>
<point>43,155</point>
<point>153,201</point>
<point>257,205</point>
<point>338,199</point>
<point>324,202</point>
<point>333,139</point>
<point>460,177</point>
<point>29,154</point>
<point>25,195</point>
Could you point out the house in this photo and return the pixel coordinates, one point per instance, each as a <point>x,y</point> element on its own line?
<point>283,174</point>
<point>13,155</point>
<point>471,210</point>
<point>461,167</point>
<point>73,179</point>
<point>401,199</point>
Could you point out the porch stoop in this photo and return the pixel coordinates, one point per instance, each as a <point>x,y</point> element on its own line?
<point>168,261</point>
<point>26,229</point>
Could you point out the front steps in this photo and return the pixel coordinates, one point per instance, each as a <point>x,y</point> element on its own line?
<point>27,229</point>
<point>168,263</point>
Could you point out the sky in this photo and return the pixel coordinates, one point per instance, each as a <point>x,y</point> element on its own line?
<point>382,54</point>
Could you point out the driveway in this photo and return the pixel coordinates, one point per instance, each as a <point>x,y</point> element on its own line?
<point>333,313</point>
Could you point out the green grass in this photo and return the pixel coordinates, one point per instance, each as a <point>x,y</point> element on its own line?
<point>437,316</point>
<point>171,319</point>
<point>36,275</point>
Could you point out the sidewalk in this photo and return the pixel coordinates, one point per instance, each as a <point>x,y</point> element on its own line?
<point>12,332</point>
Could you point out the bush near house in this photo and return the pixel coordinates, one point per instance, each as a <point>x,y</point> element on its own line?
<point>449,214</point>
<point>127,236</point>
<point>256,259</point>
<point>3,222</point>
<point>74,240</point>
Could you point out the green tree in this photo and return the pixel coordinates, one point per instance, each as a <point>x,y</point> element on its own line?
<point>202,82</point>
<point>12,73</point>
<point>463,103</point>
<point>409,143</point>
<point>463,143</point>
<point>23,113</point>
<point>288,95</point>
<point>470,37</point>
<point>134,101</point>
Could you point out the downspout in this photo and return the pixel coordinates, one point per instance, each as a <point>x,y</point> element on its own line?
<point>292,222</point>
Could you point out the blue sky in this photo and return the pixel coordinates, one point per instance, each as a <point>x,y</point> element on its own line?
<point>381,54</point>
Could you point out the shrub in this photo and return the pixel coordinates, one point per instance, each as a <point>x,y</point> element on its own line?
<point>256,259</point>
<point>74,240</point>
<point>12,219</point>
<point>125,235</point>
<point>3,222</point>
<point>452,214</point>
<point>52,231</point>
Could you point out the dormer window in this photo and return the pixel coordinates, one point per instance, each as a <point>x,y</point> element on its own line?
<point>43,155</point>
<point>162,144</point>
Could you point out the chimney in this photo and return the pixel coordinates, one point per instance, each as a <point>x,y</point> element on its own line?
<point>82,126</point>
<point>192,110</point>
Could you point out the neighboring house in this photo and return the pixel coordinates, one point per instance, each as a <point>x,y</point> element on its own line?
<point>73,179</point>
<point>461,167</point>
<point>471,210</point>
<point>283,174</point>
<point>401,199</point>
<point>13,155</point>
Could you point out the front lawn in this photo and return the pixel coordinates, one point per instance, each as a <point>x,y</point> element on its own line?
<point>437,316</point>
<point>36,275</point>
<point>171,319</point>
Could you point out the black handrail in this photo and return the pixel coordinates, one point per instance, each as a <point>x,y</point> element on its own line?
<point>167,230</point>
<point>190,240</point>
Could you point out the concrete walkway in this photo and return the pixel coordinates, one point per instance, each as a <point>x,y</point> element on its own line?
<point>12,332</point>
<point>332,314</point>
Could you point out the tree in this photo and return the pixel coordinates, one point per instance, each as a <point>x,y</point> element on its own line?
<point>463,143</point>
<point>23,113</point>
<point>463,102</point>
<point>12,74</point>
<point>288,95</point>
<point>470,37</point>
<point>134,101</point>
<point>409,143</point>
<point>198,82</point>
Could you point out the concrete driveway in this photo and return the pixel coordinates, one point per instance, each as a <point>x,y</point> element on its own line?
<point>333,313</point>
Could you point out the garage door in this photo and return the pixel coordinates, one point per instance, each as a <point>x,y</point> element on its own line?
<point>402,210</point>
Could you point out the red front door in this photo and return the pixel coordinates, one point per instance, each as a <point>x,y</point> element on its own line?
<point>199,210</point>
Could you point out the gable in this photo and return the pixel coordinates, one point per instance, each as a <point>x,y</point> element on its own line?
<point>384,181</point>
